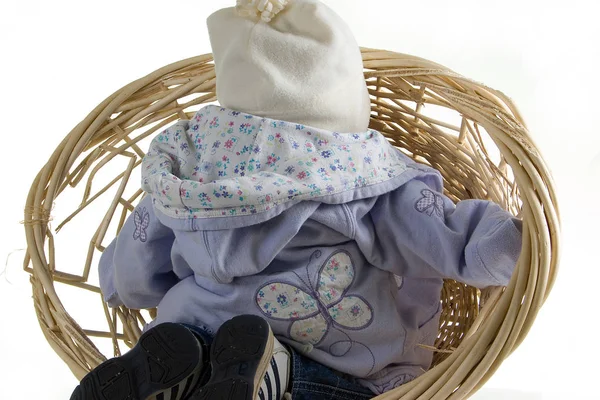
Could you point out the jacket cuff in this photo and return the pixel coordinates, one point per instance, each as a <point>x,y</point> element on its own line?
<point>499,251</point>
<point>106,270</point>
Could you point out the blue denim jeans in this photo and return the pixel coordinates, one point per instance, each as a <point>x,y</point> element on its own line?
<point>314,381</point>
<point>311,380</point>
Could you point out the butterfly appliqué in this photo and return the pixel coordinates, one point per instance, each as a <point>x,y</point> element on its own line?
<point>315,312</point>
<point>141,219</point>
<point>430,203</point>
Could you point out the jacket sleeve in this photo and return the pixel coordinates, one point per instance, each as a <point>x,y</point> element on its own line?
<point>135,269</point>
<point>418,232</point>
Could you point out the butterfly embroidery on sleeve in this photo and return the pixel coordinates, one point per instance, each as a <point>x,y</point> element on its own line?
<point>430,203</point>
<point>141,220</point>
<point>314,313</point>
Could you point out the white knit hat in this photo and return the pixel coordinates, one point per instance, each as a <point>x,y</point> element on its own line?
<point>294,61</point>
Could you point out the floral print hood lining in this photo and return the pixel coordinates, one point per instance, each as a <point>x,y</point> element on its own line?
<point>225,163</point>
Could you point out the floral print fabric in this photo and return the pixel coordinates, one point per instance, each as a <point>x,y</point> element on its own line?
<point>225,163</point>
<point>314,312</point>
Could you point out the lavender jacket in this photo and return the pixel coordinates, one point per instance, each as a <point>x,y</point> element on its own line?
<point>339,240</point>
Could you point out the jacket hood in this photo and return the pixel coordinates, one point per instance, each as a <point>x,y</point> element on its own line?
<point>224,163</point>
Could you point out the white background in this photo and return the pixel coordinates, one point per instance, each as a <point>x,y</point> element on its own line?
<point>59,59</point>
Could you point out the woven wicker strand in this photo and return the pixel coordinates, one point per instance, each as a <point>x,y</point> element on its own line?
<point>471,133</point>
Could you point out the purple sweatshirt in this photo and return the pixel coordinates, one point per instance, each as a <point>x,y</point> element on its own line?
<point>339,241</point>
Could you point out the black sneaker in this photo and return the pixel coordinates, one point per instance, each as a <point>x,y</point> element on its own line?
<point>166,363</point>
<point>239,357</point>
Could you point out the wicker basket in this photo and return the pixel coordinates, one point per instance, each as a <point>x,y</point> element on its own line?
<point>473,134</point>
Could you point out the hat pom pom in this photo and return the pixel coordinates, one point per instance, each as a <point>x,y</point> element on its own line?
<point>267,9</point>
